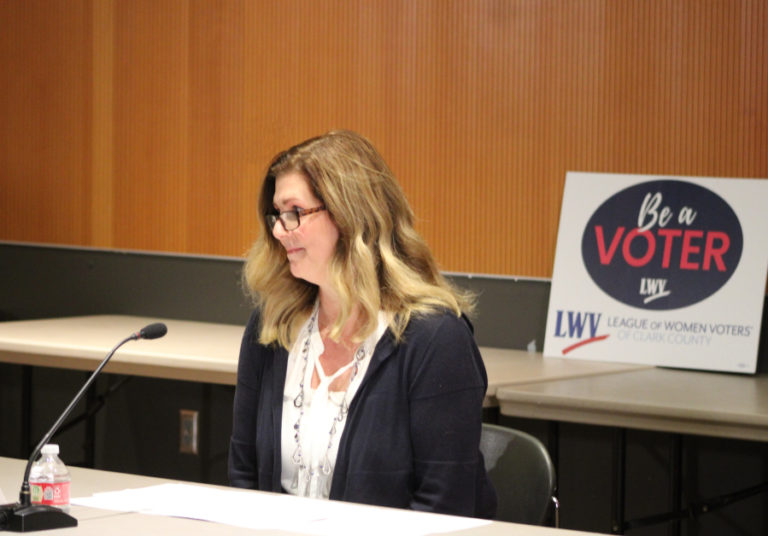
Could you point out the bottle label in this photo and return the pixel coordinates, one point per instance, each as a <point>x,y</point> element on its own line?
<point>55,494</point>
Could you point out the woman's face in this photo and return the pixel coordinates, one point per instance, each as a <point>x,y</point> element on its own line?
<point>309,247</point>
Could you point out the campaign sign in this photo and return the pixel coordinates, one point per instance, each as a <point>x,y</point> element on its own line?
<point>660,270</point>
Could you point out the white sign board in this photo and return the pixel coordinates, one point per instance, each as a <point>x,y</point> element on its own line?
<point>660,270</point>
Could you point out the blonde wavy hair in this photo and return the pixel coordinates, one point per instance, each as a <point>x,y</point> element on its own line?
<point>380,263</point>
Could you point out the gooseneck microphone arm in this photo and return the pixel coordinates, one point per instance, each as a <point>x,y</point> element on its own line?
<point>20,516</point>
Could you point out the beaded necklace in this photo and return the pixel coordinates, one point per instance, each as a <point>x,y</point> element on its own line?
<point>307,474</point>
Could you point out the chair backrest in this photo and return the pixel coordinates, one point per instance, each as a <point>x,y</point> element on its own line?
<point>522,473</point>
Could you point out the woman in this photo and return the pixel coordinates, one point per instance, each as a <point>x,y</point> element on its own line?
<point>359,378</point>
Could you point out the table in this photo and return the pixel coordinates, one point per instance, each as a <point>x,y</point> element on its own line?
<point>208,352</point>
<point>667,400</point>
<point>518,367</point>
<point>194,351</point>
<point>86,482</point>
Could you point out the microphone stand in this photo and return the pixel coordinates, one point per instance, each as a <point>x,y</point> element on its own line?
<point>24,516</point>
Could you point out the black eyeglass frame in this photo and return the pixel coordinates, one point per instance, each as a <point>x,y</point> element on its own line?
<point>272,219</point>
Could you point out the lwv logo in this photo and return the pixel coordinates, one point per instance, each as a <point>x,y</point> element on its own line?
<point>653,289</point>
<point>577,325</point>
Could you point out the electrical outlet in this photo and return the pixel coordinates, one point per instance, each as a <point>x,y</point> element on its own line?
<point>188,431</point>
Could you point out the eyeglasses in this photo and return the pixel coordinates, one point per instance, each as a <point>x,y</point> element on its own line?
<point>291,219</point>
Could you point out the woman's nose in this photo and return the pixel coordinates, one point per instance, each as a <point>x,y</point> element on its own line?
<point>278,231</point>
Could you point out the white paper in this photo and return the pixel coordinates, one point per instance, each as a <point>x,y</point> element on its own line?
<point>275,511</point>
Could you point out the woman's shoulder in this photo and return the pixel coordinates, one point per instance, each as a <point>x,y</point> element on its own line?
<point>251,334</point>
<point>251,343</point>
<point>441,354</point>
<point>442,323</point>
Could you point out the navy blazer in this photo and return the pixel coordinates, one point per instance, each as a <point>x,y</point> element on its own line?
<point>413,429</point>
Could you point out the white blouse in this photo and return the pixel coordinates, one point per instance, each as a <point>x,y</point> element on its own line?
<point>321,407</point>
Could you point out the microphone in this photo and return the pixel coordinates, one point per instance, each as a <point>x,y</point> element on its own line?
<point>152,331</point>
<point>24,516</point>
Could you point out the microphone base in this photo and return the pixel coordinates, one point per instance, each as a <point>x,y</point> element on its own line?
<point>18,518</point>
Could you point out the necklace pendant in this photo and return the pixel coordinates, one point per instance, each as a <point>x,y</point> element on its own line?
<point>326,468</point>
<point>299,400</point>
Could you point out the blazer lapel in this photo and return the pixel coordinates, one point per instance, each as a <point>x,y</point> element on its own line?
<point>385,349</point>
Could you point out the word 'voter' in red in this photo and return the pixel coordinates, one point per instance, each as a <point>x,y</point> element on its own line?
<point>687,249</point>
<point>685,244</point>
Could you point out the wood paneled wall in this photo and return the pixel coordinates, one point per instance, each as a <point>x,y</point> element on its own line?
<point>147,124</point>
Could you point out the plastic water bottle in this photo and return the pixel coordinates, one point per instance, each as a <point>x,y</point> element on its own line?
<point>49,479</point>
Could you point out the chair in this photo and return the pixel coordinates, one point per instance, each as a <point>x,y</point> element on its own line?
<point>522,473</point>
